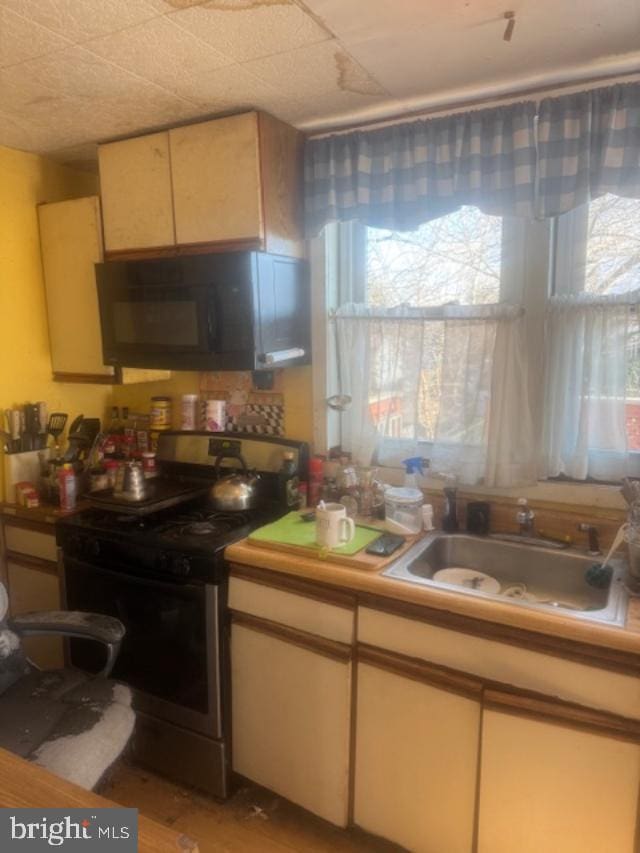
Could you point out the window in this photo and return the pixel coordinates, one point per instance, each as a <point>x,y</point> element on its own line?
<point>597,254</point>
<point>585,265</point>
<point>454,259</point>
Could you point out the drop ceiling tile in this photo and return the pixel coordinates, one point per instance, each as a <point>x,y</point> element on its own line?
<point>245,30</point>
<point>228,88</point>
<point>83,98</point>
<point>79,20</point>
<point>309,72</point>
<point>161,52</point>
<point>22,39</point>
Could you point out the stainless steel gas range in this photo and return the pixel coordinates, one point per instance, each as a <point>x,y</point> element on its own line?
<point>164,575</point>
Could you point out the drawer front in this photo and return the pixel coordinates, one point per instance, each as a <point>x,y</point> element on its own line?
<point>305,613</point>
<point>31,542</point>
<point>508,664</point>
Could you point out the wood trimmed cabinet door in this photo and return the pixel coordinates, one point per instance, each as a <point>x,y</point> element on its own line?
<point>545,785</point>
<point>216,181</point>
<point>135,188</point>
<point>71,244</point>
<point>416,758</point>
<point>291,697</point>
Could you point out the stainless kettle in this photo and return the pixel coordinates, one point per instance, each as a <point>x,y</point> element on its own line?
<point>235,491</point>
<point>130,482</point>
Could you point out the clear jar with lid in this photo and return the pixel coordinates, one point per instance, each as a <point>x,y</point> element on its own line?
<point>403,510</point>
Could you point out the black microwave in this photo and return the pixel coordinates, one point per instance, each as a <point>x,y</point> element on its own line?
<point>223,311</point>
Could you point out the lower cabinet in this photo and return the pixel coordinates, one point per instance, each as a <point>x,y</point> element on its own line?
<point>416,759</point>
<point>291,696</point>
<point>36,589</point>
<point>546,786</point>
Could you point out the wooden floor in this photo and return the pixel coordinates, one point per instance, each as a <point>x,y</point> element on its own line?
<point>252,821</point>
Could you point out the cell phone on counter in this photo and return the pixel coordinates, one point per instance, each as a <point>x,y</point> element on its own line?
<point>385,545</point>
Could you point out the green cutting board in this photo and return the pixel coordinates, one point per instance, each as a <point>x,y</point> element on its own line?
<point>291,530</point>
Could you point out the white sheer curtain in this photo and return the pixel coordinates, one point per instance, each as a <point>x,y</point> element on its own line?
<point>589,338</point>
<point>453,376</point>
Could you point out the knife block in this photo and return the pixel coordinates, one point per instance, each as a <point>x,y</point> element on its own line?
<point>19,468</point>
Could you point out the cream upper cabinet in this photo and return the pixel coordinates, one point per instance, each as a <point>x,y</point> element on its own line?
<point>546,786</point>
<point>70,240</point>
<point>71,244</point>
<point>415,762</point>
<point>229,183</point>
<point>135,187</point>
<point>216,180</point>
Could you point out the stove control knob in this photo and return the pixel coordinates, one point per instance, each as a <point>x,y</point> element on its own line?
<point>182,566</point>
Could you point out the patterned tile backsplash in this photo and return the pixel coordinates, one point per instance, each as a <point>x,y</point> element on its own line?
<point>248,410</point>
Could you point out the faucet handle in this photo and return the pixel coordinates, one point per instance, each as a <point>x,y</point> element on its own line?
<point>525,513</point>
<point>594,544</point>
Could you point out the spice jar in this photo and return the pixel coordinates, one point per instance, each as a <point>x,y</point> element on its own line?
<point>161,413</point>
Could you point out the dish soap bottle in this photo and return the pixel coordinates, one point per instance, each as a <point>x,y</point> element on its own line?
<point>288,482</point>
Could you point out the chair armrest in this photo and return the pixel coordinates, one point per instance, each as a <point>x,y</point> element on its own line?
<point>74,623</point>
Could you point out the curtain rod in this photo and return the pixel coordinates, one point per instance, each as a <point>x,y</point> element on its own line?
<point>471,103</point>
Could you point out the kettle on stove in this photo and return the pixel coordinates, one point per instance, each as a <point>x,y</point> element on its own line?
<point>235,492</point>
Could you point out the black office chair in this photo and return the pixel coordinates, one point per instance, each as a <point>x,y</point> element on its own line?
<point>76,725</point>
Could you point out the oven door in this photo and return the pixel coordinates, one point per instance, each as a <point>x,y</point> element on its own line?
<point>170,655</point>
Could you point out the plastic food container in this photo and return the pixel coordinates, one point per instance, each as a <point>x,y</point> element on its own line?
<point>403,510</point>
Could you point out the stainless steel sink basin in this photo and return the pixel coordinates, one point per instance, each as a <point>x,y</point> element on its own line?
<point>539,578</point>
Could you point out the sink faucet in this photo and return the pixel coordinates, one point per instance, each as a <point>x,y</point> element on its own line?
<point>525,517</point>
<point>594,544</point>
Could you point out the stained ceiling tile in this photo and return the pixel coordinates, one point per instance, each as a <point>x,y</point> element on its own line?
<point>22,39</point>
<point>248,29</point>
<point>320,69</point>
<point>415,48</point>
<point>79,20</point>
<point>159,51</point>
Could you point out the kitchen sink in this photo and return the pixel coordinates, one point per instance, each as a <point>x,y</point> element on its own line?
<point>529,575</point>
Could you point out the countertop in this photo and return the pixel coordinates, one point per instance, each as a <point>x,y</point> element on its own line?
<point>44,514</point>
<point>372,582</point>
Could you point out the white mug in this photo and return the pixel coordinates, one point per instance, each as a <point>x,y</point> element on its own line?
<point>333,526</point>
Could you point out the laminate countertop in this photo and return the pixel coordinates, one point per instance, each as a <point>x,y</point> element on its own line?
<point>587,639</point>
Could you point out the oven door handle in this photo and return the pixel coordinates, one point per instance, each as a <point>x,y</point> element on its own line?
<point>128,577</point>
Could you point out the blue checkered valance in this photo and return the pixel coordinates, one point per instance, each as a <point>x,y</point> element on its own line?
<point>404,174</point>
<point>588,145</point>
<point>516,160</point>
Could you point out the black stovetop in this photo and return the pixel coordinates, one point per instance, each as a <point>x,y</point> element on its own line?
<point>186,540</point>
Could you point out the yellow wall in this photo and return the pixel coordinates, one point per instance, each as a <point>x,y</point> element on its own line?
<point>25,367</point>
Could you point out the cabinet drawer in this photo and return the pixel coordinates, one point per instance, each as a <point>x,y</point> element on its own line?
<point>34,543</point>
<point>501,662</point>
<point>331,621</point>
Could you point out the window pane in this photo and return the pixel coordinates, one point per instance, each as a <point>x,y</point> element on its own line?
<point>454,258</point>
<point>613,245</point>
